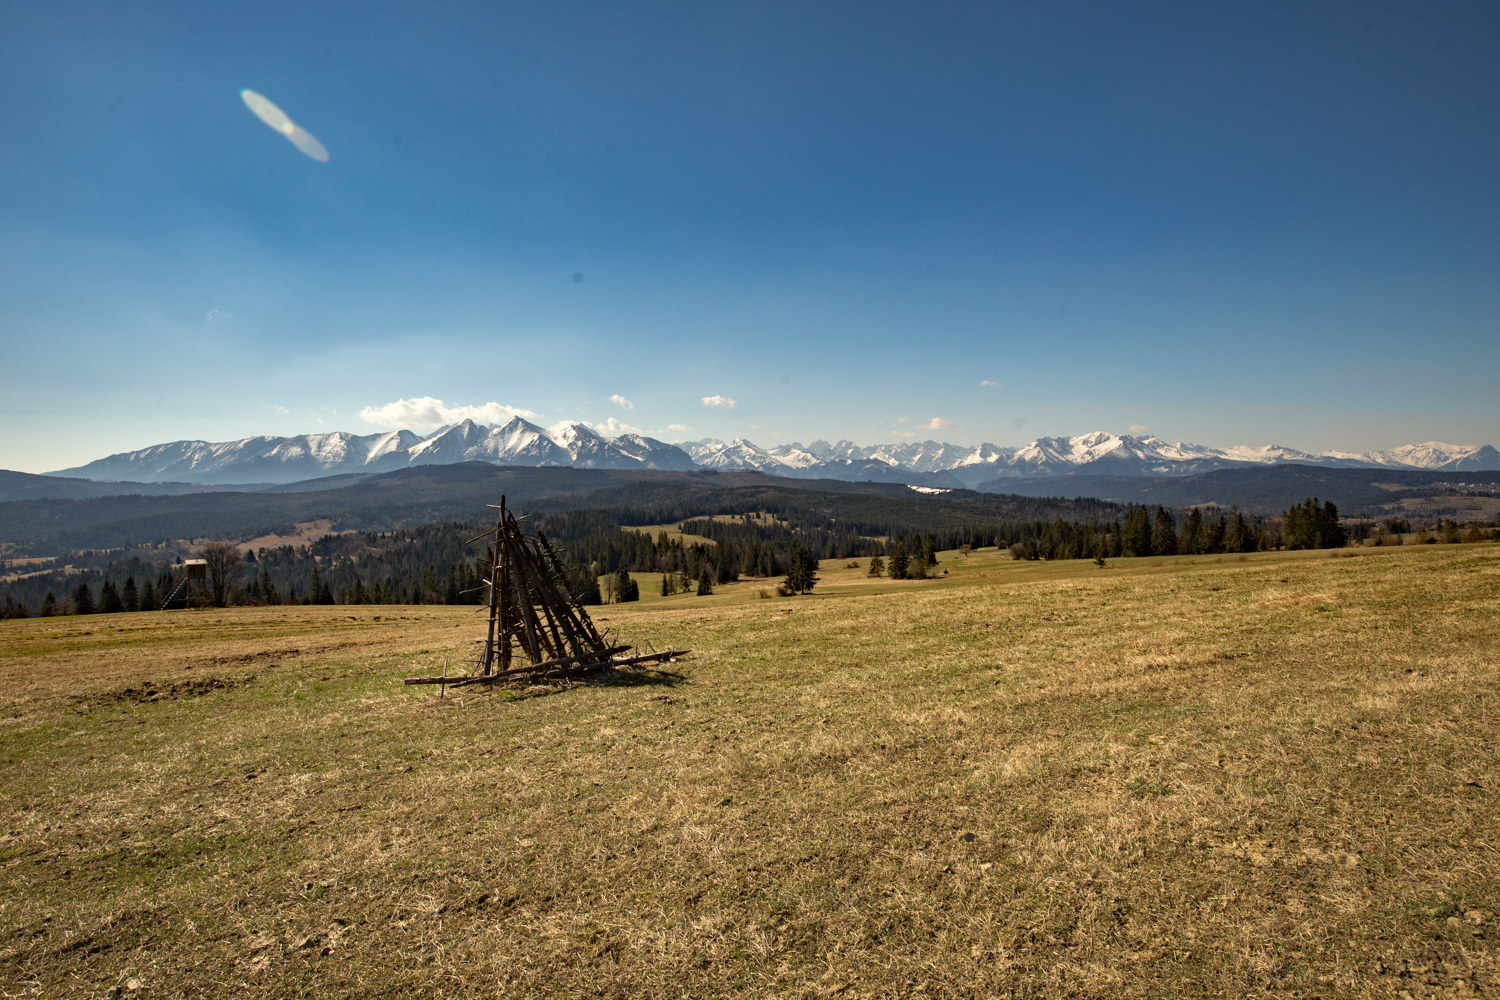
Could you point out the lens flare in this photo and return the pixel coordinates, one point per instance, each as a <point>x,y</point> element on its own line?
<point>278,120</point>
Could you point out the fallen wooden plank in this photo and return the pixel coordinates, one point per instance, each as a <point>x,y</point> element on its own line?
<point>599,656</point>
<point>569,666</point>
<point>649,657</point>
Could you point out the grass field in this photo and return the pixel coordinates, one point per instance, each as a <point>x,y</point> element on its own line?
<point>1217,776</point>
<point>675,532</point>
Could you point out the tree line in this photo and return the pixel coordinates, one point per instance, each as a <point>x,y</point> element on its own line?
<point>438,564</point>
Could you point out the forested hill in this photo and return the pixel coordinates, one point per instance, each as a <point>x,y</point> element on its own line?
<point>462,493</point>
<point>1266,490</point>
<point>437,563</point>
<point>27,486</point>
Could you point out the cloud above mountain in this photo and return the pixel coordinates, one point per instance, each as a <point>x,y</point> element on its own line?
<point>425,413</point>
<point>935,424</point>
<point>721,401</point>
<point>613,427</point>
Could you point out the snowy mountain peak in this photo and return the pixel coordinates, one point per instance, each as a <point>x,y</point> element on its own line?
<point>930,463</point>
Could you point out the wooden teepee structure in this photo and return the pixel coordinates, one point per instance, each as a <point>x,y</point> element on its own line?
<point>533,612</point>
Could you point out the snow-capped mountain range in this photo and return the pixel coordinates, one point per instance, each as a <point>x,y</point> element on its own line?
<point>921,463</point>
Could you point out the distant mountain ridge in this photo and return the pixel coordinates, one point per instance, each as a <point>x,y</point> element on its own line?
<point>312,456</point>
<point>518,442</point>
<point>989,466</point>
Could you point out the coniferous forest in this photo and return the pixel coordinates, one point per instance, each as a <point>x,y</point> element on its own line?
<point>432,564</point>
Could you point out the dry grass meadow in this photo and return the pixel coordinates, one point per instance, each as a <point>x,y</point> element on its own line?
<point>1269,776</point>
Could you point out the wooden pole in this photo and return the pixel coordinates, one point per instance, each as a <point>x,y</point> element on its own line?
<point>585,623</point>
<point>502,587</point>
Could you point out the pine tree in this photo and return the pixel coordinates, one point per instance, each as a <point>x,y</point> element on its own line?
<point>49,606</point>
<point>317,590</point>
<point>109,599</point>
<point>898,559</point>
<point>1237,536</point>
<point>1310,525</point>
<point>1330,531</point>
<point>625,587</point>
<point>1213,531</point>
<point>801,577</point>
<point>83,600</point>
<point>1136,536</point>
<point>130,597</point>
<point>1164,533</point>
<point>1191,541</point>
<point>148,596</point>
<point>877,566</point>
<point>705,584</point>
<point>1297,527</point>
<point>583,583</point>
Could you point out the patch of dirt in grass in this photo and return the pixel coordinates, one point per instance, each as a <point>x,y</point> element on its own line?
<point>177,689</point>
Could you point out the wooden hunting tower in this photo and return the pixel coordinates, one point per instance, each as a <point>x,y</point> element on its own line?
<point>192,585</point>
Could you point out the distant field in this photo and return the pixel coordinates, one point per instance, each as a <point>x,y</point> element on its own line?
<point>675,530</point>
<point>1274,775</point>
<point>1457,508</point>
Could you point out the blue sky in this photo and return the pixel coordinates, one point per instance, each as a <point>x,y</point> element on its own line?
<point>1227,223</point>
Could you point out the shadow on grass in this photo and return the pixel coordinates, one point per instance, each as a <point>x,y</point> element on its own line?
<point>612,678</point>
<point>639,678</point>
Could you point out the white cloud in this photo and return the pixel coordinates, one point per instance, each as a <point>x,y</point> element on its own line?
<point>620,400</point>
<point>937,424</point>
<point>722,401</point>
<point>986,382</point>
<point>281,409</point>
<point>614,427</point>
<point>424,412</point>
<point>678,427</point>
<point>904,434</point>
<point>903,420</point>
<point>1138,428</point>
